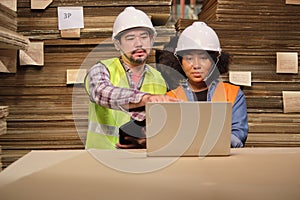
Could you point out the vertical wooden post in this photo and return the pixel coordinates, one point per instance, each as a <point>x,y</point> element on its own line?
<point>193,3</point>
<point>182,3</point>
<point>174,9</point>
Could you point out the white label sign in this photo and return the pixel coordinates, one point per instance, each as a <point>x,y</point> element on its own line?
<point>291,101</point>
<point>295,2</point>
<point>70,17</point>
<point>240,78</point>
<point>287,62</point>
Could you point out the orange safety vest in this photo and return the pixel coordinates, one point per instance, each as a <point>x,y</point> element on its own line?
<point>223,92</point>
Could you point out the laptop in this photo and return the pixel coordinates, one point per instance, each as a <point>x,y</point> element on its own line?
<point>188,128</point>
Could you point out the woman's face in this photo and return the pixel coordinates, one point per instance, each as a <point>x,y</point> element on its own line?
<point>196,65</point>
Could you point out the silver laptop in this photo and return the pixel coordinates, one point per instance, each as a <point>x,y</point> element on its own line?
<point>188,128</point>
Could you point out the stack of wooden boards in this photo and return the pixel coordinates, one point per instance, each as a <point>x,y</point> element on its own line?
<point>45,112</point>
<point>3,127</point>
<point>99,16</point>
<point>9,38</point>
<point>3,116</point>
<point>252,32</point>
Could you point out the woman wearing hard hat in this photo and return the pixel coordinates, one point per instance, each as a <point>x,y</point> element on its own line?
<point>199,52</point>
<point>118,86</point>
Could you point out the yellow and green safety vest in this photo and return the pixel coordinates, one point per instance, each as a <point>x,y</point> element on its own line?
<point>104,123</point>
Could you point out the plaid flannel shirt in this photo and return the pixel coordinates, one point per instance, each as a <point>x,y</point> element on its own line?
<point>102,91</point>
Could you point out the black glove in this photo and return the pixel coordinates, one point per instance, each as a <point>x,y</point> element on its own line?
<point>133,129</point>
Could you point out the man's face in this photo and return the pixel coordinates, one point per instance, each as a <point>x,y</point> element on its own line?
<point>135,45</point>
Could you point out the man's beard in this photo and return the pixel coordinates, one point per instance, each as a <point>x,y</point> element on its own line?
<point>138,60</point>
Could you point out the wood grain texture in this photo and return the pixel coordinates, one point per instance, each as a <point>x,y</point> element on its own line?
<point>45,112</point>
<point>252,32</point>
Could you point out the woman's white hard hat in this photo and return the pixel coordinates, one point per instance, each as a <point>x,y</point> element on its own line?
<point>198,36</point>
<point>131,18</point>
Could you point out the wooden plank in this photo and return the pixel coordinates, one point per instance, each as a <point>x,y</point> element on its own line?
<point>8,60</point>
<point>28,21</point>
<point>273,140</point>
<point>3,111</point>
<point>102,3</point>
<point>42,106</point>
<point>8,17</point>
<point>12,40</point>
<point>9,38</point>
<point>11,4</point>
<point>70,33</point>
<point>40,4</point>
<point>294,2</point>
<point>75,76</point>
<point>266,27</point>
<point>3,125</point>
<point>34,55</point>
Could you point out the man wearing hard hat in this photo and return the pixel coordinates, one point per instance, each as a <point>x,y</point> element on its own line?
<point>118,87</point>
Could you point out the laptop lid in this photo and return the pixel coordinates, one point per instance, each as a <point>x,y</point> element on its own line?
<point>188,128</point>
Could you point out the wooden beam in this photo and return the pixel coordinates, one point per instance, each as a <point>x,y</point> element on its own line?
<point>70,33</point>
<point>11,4</point>
<point>34,55</point>
<point>294,2</point>
<point>8,60</point>
<point>76,76</point>
<point>40,4</point>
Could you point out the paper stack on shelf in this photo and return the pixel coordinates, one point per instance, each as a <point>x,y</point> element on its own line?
<point>3,115</point>
<point>43,107</point>
<point>3,127</point>
<point>9,38</point>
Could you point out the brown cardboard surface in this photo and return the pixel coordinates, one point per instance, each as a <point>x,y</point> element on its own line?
<point>246,174</point>
<point>76,76</point>
<point>34,55</point>
<point>8,60</point>
<point>70,33</point>
<point>295,2</point>
<point>40,4</point>
<point>11,4</point>
<point>34,162</point>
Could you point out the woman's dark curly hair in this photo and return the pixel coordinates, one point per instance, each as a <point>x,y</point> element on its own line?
<point>224,60</point>
<point>223,63</point>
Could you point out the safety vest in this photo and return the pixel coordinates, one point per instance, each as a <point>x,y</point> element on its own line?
<point>104,123</point>
<point>223,92</point>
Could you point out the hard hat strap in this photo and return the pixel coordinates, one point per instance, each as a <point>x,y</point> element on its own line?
<point>213,68</point>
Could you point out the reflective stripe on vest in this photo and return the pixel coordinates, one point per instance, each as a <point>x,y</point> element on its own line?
<point>104,123</point>
<point>103,128</point>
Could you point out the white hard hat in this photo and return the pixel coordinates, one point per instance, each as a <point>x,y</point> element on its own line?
<point>198,36</point>
<point>131,18</point>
